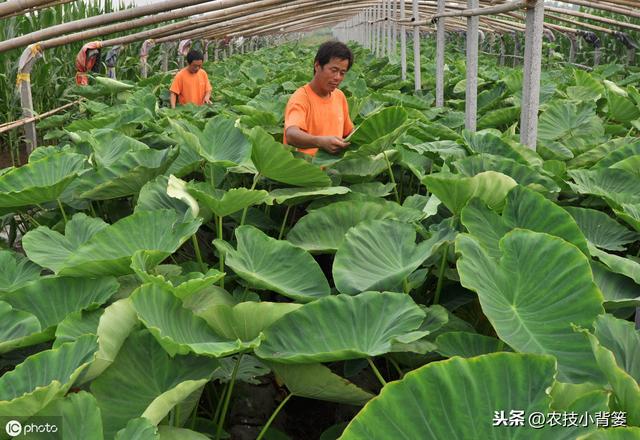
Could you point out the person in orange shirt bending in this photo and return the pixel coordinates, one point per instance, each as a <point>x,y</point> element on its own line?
<point>191,84</point>
<point>317,114</point>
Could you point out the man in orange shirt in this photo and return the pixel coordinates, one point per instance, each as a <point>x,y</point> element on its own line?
<point>317,114</point>
<point>191,84</point>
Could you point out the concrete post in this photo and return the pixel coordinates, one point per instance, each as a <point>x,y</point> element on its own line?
<point>503,50</point>
<point>417,78</point>
<point>574,46</point>
<point>378,30</point>
<point>403,42</point>
<point>516,48</point>
<point>531,77</point>
<point>471,96</point>
<point>23,81</point>
<point>440,44</point>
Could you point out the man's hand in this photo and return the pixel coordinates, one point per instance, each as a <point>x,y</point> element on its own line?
<point>207,98</point>
<point>331,144</point>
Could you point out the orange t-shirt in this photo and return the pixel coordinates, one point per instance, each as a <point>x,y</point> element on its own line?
<point>317,116</point>
<point>191,87</point>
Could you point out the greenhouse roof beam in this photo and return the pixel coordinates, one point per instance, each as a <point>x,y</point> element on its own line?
<point>96,23</point>
<point>606,20</point>
<point>50,4</point>
<point>11,7</point>
<point>605,7</point>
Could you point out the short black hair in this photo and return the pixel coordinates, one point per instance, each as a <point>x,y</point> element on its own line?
<point>194,55</point>
<point>333,49</point>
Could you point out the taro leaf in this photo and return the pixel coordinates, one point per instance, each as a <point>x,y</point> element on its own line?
<point>567,120</point>
<point>47,246</point>
<point>341,327</point>
<point>109,251</point>
<point>249,369</point>
<point>379,255</point>
<point>617,264</point>
<point>323,230</point>
<point>513,296</point>
<point>486,142</point>
<point>15,271</point>
<point>124,177</point>
<point>377,125</point>
<point>619,291</point>
<point>315,381</point>
<point>272,160</point>
<point>436,319</point>
<point>467,344</point>
<point>17,328</point>
<point>355,169</point>
<point>41,181</point>
<point>247,320</point>
<point>77,324</point>
<point>110,145</point>
<point>455,191</point>
<point>524,209</point>
<point>631,164</point>
<point>79,416</point>
<point>178,329</point>
<point>621,109</point>
<point>442,150</point>
<point>523,174</point>
<point>51,299</point>
<point>221,142</point>
<point>631,214</point>
<point>294,196</point>
<point>616,346</point>
<point>223,203</point>
<point>145,381</point>
<point>618,152</point>
<point>614,185</point>
<point>153,196</point>
<point>499,118</point>
<point>429,403</point>
<point>138,429</point>
<point>276,265</point>
<point>601,230</point>
<point>42,377</point>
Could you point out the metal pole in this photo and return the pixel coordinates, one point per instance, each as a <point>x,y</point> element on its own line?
<point>416,48</point>
<point>440,43</point>
<point>472,68</point>
<point>531,78</point>
<point>403,42</point>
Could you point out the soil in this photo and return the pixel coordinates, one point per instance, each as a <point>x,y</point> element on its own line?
<point>5,157</point>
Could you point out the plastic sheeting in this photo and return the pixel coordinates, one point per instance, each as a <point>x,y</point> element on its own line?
<point>86,61</point>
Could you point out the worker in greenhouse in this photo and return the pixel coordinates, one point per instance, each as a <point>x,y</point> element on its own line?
<point>317,114</point>
<point>191,84</point>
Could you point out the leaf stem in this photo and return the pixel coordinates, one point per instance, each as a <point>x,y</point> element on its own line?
<point>253,186</point>
<point>64,214</point>
<point>405,285</point>
<point>376,372</point>
<point>393,179</point>
<point>396,366</point>
<point>284,222</point>
<point>265,428</point>
<point>221,254</point>
<point>227,398</point>
<point>443,265</point>
<point>196,247</point>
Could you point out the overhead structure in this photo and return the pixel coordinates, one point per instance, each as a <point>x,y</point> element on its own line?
<point>375,23</point>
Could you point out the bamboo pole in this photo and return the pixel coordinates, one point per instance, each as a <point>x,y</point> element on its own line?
<point>10,7</point>
<point>604,7</point>
<point>606,20</point>
<point>19,123</point>
<point>37,8</point>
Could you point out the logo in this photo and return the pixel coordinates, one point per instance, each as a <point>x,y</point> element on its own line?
<point>13,428</point>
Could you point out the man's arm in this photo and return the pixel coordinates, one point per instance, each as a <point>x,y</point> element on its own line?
<point>299,138</point>
<point>207,97</point>
<point>172,99</point>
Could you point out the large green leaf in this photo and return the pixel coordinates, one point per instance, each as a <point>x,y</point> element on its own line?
<point>533,294</point>
<point>145,381</point>
<point>459,398</point>
<point>315,381</point>
<point>110,145</point>
<point>455,190</point>
<point>109,251</point>
<point>377,125</point>
<point>33,384</point>
<point>618,290</point>
<point>153,196</point>
<point>40,181</point>
<point>223,203</point>
<point>15,271</point>
<point>276,265</point>
<point>523,209</point>
<point>79,415</point>
<point>178,329</point>
<point>247,320</point>
<point>467,344</point>
<point>621,109</point>
<point>124,177</point>
<point>565,120</point>
<point>601,230</point>
<point>51,299</point>
<point>323,230</point>
<point>379,255</point>
<point>614,185</point>
<point>17,328</point>
<point>616,346</point>
<point>616,263</point>
<point>221,142</point>
<point>294,196</point>
<point>272,160</point>
<point>341,327</point>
